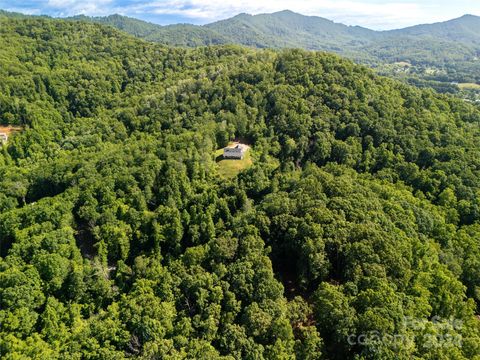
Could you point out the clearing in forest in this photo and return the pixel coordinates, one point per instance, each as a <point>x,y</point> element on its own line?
<point>9,129</point>
<point>229,168</point>
<point>469,86</point>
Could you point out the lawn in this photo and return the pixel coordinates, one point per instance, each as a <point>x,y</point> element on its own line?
<point>229,168</point>
<point>9,129</point>
<point>469,86</point>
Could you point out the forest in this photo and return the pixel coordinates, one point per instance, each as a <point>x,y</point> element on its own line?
<point>443,56</point>
<point>354,234</point>
<point>436,54</point>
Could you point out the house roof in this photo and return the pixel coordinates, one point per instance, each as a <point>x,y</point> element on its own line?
<point>237,146</point>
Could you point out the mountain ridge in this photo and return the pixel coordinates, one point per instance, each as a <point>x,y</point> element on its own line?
<point>437,43</point>
<point>442,51</point>
<point>117,18</point>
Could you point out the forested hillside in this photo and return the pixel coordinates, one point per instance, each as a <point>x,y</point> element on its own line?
<point>354,234</point>
<point>443,56</point>
<point>437,54</point>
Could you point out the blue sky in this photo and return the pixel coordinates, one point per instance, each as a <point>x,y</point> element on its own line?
<point>376,14</point>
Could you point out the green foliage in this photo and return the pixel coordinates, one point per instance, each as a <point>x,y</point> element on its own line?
<point>433,55</point>
<point>357,222</point>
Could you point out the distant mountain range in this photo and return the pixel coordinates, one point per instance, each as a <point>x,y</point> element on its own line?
<point>454,40</point>
<point>454,43</point>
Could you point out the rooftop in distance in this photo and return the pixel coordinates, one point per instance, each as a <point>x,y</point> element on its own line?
<point>235,150</point>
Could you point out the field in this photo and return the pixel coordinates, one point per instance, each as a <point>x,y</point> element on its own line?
<point>469,86</point>
<point>229,168</point>
<point>402,63</point>
<point>9,129</point>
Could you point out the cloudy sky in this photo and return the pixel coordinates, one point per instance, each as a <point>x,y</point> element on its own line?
<point>376,14</point>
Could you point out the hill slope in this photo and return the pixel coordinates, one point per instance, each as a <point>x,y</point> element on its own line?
<point>436,54</point>
<point>288,29</point>
<point>118,239</point>
<point>130,25</point>
<point>463,29</point>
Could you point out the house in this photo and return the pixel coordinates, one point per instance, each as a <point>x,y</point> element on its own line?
<point>235,151</point>
<point>3,138</point>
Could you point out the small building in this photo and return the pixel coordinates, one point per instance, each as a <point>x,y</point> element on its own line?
<point>3,138</point>
<point>235,151</point>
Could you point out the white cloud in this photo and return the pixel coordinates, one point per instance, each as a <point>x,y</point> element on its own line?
<point>75,7</point>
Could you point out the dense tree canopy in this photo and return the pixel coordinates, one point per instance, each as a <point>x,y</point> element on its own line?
<point>355,234</point>
<point>437,55</point>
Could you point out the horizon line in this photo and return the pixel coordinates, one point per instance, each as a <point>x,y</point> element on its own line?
<point>227,18</point>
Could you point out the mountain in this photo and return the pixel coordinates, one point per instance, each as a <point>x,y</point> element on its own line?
<point>436,54</point>
<point>13,15</point>
<point>188,35</point>
<point>130,25</point>
<point>284,29</point>
<point>288,29</point>
<point>352,231</point>
<point>464,30</point>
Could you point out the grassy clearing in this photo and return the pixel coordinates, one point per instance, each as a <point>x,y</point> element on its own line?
<point>9,129</point>
<point>402,63</point>
<point>469,86</point>
<point>229,168</point>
